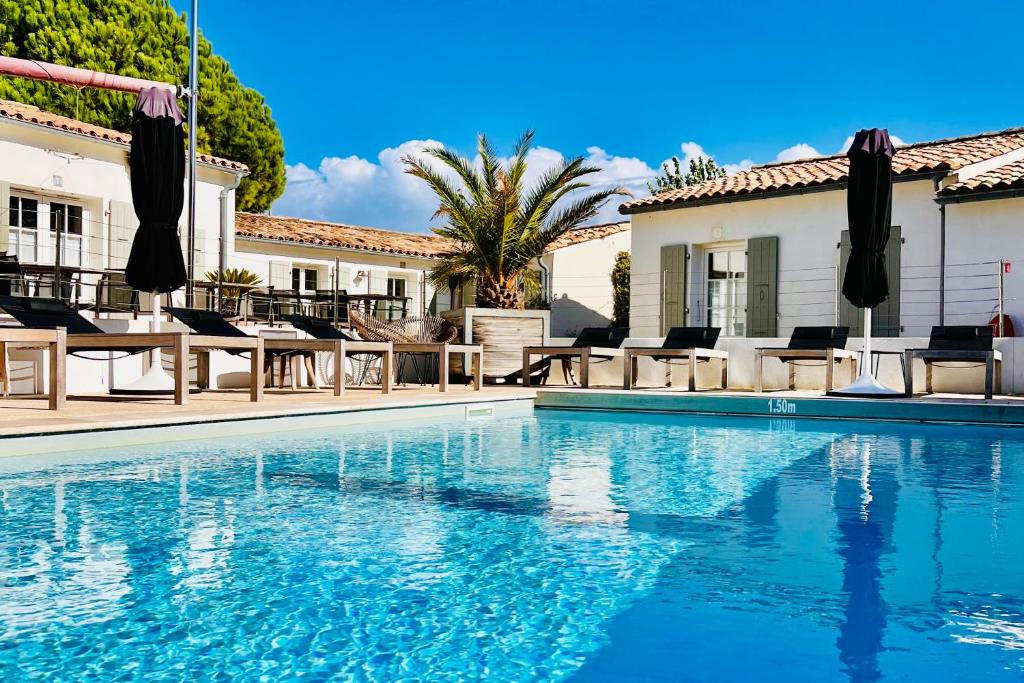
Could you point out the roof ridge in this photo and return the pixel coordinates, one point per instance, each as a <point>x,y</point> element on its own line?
<point>352,226</point>
<point>909,145</point>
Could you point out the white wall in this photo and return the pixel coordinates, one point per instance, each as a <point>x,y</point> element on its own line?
<point>93,174</point>
<point>581,288</point>
<point>808,227</point>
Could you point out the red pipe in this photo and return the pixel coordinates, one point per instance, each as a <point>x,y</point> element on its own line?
<point>69,75</point>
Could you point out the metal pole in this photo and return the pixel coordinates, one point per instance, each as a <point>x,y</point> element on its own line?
<point>337,285</point>
<point>59,247</point>
<point>1000,318</point>
<point>942,258</point>
<point>193,86</point>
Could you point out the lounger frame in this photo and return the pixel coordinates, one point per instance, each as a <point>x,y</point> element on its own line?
<point>692,355</point>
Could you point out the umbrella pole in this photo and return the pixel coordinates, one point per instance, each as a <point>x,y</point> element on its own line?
<point>155,380</point>
<point>866,386</point>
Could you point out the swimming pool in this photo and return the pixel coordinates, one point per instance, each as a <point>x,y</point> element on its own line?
<point>561,546</point>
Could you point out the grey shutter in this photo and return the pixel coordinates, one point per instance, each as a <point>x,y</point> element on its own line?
<point>673,286</point>
<point>5,214</point>
<point>762,286</point>
<point>123,224</point>
<point>885,318</point>
<point>849,315</point>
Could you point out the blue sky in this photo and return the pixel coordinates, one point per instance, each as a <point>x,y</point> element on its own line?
<point>353,85</point>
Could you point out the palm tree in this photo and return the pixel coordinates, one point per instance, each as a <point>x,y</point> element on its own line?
<point>497,225</point>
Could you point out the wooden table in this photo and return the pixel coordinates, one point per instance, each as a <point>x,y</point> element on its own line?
<point>830,356</point>
<point>629,364</point>
<point>55,341</point>
<point>584,353</point>
<point>444,352</point>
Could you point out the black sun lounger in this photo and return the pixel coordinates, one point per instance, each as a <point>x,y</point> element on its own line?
<point>593,343</point>
<point>957,344</point>
<point>818,345</point>
<point>83,335</point>
<point>691,344</point>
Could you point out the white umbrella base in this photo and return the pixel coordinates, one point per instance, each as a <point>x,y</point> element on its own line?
<point>866,386</point>
<point>155,382</point>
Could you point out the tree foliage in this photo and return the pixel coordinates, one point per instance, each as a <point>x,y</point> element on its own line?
<point>620,289</point>
<point>498,224</point>
<point>702,169</point>
<point>143,39</point>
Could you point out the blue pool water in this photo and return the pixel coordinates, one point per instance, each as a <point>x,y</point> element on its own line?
<point>579,547</point>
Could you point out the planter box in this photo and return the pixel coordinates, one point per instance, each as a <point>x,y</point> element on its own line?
<point>503,335</point>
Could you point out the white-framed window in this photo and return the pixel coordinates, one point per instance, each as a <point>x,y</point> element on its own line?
<point>34,223</point>
<point>23,236</point>
<point>305,279</point>
<point>727,290</point>
<point>66,218</point>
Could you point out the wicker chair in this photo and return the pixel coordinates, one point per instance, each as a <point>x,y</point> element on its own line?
<point>412,330</point>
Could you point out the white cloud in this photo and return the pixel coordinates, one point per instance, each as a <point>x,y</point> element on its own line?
<point>896,140</point>
<point>798,151</point>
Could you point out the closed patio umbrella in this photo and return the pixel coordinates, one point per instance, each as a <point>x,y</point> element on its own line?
<point>869,211</point>
<point>158,190</point>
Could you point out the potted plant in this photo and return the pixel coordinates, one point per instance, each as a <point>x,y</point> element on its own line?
<point>498,224</point>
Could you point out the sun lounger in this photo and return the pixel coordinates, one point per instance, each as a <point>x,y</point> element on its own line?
<point>692,344</point>
<point>593,343</point>
<point>55,341</point>
<point>810,345</point>
<point>957,344</point>
<point>355,348</point>
<point>82,335</point>
<point>213,323</point>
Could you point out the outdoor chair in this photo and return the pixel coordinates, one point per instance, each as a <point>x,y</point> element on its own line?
<point>599,344</point>
<point>436,339</point>
<point>363,354</point>
<point>810,346</point>
<point>83,336</point>
<point>958,344</point>
<point>690,344</point>
<point>11,276</point>
<point>213,323</point>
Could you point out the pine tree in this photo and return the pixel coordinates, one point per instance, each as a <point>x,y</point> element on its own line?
<point>143,39</point>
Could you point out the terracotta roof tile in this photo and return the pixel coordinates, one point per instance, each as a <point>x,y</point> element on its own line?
<point>304,231</point>
<point>17,111</point>
<point>587,233</point>
<point>923,157</point>
<point>1007,177</point>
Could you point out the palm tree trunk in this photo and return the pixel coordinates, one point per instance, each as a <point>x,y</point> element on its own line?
<point>492,294</point>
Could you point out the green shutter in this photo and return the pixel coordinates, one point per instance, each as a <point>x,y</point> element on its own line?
<point>673,286</point>
<point>885,318</point>
<point>5,214</point>
<point>123,224</point>
<point>280,275</point>
<point>762,286</point>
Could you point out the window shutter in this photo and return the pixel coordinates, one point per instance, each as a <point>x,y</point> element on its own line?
<point>344,279</point>
<point>5,214</point>
<point>280,275</point>
<point>762,286</point>
<point>885,318</point>
<point>123,224</point>
<point>849,315</point>
<point>378,282</point>
<point>429,295</point>
<point>673,286</point>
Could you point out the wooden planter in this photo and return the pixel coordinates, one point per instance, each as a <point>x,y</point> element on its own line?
<point>503,335</point>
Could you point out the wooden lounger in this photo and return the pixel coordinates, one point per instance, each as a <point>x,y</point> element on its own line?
<point>694,344</point>
<point>810,343</point>
<point>55,341</point>
<point>593,343</point>
<point>957,343</point>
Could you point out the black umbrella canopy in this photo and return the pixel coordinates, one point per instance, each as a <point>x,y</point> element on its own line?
<point>158,192</point>
<point>869,208</point>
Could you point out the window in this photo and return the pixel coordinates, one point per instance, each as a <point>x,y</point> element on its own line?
<point>24,224</point>
<point>396,286</point>
<point>67,219</point>
<point>727,291</point>
<point>304,279</point>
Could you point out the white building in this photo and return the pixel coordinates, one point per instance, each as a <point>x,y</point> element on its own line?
<point>59,174</point>
<point>576,276</point>
<point>760,252</point>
